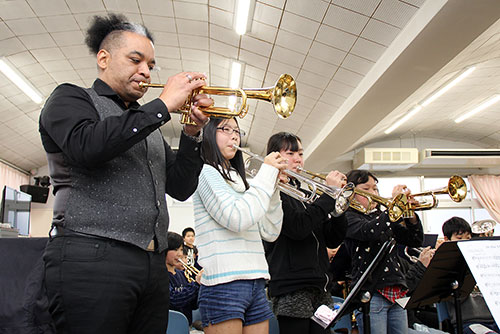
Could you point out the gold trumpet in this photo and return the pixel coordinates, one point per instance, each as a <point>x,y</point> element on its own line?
<point>283,96</point>
<point>189,271</point>
<point>342,196</point>
<point>456,189</point>
<point>395,206</point>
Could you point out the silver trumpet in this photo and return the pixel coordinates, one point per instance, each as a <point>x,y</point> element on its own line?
<point>342,196</point>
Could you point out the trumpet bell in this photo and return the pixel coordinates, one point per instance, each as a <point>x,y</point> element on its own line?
<point>284,96</point>
<point>457,189</point>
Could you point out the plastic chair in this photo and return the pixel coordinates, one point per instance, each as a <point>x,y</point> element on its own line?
<point>442,313</point>
<point>274,327</point>
<point>177,323</point>
<point>344,322</point>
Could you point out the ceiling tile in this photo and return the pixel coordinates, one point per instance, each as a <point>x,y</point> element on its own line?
<point>255,45</point>
<point>220,17</point>
<point>75,51</point>
<point>5,32</point>
<point>56,65</point>
<point>64,76</point>
<point>22,59</point>
<point>59,23</point>
<point>15,10</point>
<point>123,6</point>
<point>191,27</point>
<point>32,70</point>
<point>223,49</point>
<point>26,26</point>
<point>155,7</point>
<point>160,23</point>
<point>368,49</point>
<point>394,12</point>
<point>170,51</point>
<point>49,7</point>
<point>67,38</point>
<point>83,62</point>
<point>191,11</point>
<point>166,38</point>
<point>299,25</point>
<point>292,41</point>
<point>380,32</point>
<point>327,53</point>
<point>227,5</point>
<point>11,46</point>
<point>276,66</point>
<point>37,41</point>
<point>332,99</point>
<point>335,38</point>
<point>263,32</point>
<point>253,59</point>
<point>348,77</point>
<point>224,35</point>
<point>365,7</point>
<point>47,54</point>
<point>339,88</point>
<point>357,64</point>
<point>267,14</point>
<point>195,55</point>
<point>313,79</point>
<point>275,3</point>
<point>319,67</point>
<point>254,72</point>
<point>288,56</point>
<point>87,6</point>
<point>312,9</point>
<point>193,42</point>
<point>346,20</point>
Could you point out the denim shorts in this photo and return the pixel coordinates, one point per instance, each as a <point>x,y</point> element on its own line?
<point>242,299</point>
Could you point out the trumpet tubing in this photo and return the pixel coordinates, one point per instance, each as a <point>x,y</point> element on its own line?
<point>189,271</point>
<point>283,96</point>
<point>395,206</point>
<point>342,196</point>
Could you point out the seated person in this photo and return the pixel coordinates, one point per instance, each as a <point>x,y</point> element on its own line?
<point>474,308</point>
<point>183,294</point>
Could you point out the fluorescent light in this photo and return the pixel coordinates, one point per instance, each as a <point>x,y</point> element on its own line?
<point>235,81</point>
<point>19,80</point>
<point>402,120</point>
<point>427,101</point>
<point>448,86</point>
<point>489,102</point>
<point>241,16</point>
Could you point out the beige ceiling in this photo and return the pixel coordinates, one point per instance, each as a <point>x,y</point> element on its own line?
<point>359,66</point>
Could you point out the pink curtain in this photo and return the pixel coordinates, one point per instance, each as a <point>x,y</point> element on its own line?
<point>12,178</point>
<point>487,189</point>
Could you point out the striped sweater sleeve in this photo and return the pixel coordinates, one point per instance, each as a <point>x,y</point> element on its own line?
<point>238,211</point>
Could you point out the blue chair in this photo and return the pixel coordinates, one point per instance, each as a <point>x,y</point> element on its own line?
<point>177,323</point>
<point>442,313</point>
<point>274,327</point>
<point>344,322</point>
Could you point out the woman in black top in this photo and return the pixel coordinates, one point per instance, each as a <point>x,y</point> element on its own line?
<point>365,235</point>
<point>298,260</point>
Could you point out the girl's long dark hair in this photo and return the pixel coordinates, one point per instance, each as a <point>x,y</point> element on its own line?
<point>212,156</point>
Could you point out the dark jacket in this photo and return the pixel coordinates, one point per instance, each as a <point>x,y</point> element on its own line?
<point>366,234</point>
<point>298,258</point>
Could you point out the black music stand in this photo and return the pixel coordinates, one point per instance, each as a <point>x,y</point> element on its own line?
<point>447,276</point>
<point>358,293</point>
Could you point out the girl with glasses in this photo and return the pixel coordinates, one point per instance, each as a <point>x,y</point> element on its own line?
<point>232,217</point>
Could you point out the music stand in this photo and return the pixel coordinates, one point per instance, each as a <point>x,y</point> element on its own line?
<point>447,276</point>
<point>358,293</point>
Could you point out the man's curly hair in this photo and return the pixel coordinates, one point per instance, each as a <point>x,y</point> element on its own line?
<point>103,31</point>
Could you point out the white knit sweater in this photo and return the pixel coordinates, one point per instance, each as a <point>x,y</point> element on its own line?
<point>231,223</point>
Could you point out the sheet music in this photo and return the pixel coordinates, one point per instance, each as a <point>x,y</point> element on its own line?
<point>483,258</point>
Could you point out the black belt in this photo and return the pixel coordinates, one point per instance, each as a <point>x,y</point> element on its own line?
<point>57,231</point>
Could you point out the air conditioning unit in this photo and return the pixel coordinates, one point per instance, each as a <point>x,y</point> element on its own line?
<point>386,159</point>
<point>472,158</point>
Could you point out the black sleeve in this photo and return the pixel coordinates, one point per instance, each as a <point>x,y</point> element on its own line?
<point>70,123</point>
<point>335,230</point>
<point>407,233</point>
<point>183,168</point>
<point>298,223</point>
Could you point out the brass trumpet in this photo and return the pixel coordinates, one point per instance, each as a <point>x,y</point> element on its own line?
<point>342,196</point>
<point>283,96</point>
<point>189,271</point>
<point>456,189</point>
<point>395,206</point>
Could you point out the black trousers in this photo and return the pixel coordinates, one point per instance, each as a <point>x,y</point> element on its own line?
<point>97,285</point>
<point>291,325</point>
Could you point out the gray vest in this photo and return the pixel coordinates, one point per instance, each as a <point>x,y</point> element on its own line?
<point>121,199</point>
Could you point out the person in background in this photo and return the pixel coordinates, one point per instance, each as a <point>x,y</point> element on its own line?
<point>232,217</point>
<point>183,294</point>
<point>366,233</point>
<point>474,308</point>
<point>111,167</point>
<point>190,249</point>
<point>298,259</point>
